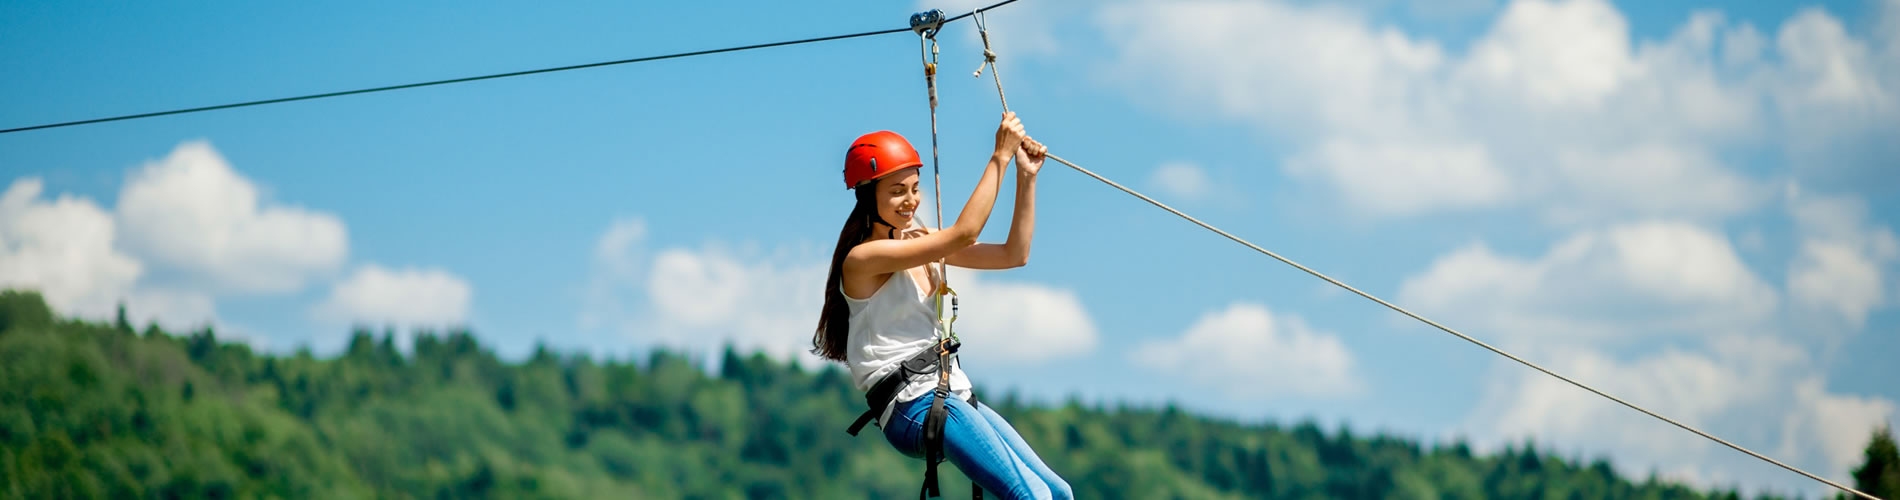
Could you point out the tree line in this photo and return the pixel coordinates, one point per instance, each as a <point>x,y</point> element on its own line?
<point>107,410</point>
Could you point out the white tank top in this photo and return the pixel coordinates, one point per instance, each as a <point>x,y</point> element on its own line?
<point>895,323</point>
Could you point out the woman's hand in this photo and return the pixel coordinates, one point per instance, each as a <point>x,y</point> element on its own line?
<point>1009,135</point>
<point>1029,156</point>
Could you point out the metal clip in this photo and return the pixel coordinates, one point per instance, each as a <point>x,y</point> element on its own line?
<point>926,23</point>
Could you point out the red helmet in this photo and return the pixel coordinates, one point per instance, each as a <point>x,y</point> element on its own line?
<point>876,155</point>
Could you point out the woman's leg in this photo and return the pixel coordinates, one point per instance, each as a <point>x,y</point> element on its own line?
<point>975,446</point>
<point>905,430</point>
<point>1057,486</point>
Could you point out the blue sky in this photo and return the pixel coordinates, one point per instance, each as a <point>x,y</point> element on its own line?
<point>1689,204</point>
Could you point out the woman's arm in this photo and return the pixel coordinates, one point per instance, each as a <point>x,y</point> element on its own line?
<point>1014,252</point>
<point>887,256</point>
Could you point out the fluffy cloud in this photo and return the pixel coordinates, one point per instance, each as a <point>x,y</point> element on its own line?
<point>1652,179</point>
<point>1838,278</point>
<point>1753,390</point>
<point>1839,269</point>
<point>406,298</point>
<point>1617,284</point>
<point>707,297</point>
<point>1829,70</point>
<point>1250,351</point>
<point>175,310</point>
<point>63,248</point>
<point>193,213</point>
<point>1570,54</point>
<point>1016,321</point>
<point>1432,175</point>
<point>1839,424</point>
<point>1556,106</point>
<point>1183,180</point>
<point>616,271</point>
<point>186,229</point>
<point>1020,29</point>
<point>1592,308</point>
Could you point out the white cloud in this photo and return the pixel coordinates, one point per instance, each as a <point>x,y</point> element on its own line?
<point>1017,30</point>
<point>1725,367</point>
<point>1249,351</point>
<point>1182,180</point>
<point>406,298</point>
<point>63,248</point>
<point>1840,97</point>
<point>192,212</point>
<point>173,310</point>
<point>1556,107</point>
<point>707,297</point>
<point>1654,180</point>
<point>70,248</point>
<point>1555,54</point>
<point>1398,178</point>
<point>1016,321</point>
<point>1838,278</point>
<point>616,271</point>
<point>1827,66</point>
<point>1840,424</point>
<point>1308,72</point>
<point>1754,391</point>
<point>1626,282</point>
<point>1840,267</point>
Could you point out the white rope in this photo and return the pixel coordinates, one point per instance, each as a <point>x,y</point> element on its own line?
<point>989,57</point>
<point>945,325</point>
<point>1447,329</point>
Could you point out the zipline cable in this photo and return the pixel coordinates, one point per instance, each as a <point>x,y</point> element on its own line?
<point>989,59</point>
<point>486,77</point>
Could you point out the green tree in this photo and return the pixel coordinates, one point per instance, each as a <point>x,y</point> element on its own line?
<point>23,309</point>
<point>1879,472</point>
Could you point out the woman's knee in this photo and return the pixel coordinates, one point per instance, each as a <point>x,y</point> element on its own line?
<point>1059,489</point>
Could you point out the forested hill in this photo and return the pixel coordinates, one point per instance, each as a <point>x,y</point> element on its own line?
<point>109,411</point>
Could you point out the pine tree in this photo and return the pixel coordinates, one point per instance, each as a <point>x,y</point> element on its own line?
<point>1879,474</point>
<point>121,323</point>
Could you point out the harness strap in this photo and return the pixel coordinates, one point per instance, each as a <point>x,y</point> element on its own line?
<point>926,361</point>
<point>933,426</point>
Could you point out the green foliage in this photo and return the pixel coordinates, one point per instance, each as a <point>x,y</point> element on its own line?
<point>23,309</point>
<point>92,411</point>
<point>1879,471</point>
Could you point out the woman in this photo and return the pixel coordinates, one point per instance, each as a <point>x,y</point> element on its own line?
<point>881,295</point>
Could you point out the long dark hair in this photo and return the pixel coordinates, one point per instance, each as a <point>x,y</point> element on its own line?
<point>834,323</point>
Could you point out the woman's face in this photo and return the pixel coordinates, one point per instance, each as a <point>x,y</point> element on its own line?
<point>897,198</point>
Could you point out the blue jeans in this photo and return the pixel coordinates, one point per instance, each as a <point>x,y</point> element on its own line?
<point>982,445</point>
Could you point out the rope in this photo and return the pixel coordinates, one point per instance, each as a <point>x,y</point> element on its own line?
<point>990,60</point>
<point>484,77</point>
<point>930,82</point>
